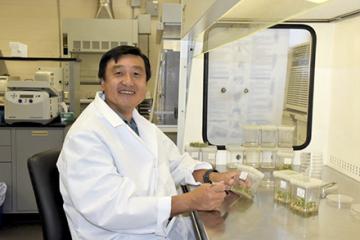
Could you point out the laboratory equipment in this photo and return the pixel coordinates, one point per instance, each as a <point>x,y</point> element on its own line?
<point>339,200</point>
<point>35,100</point>
<point>236,156</point>
<point>251,135</point>
<point>286,136</point>
<point>284,158</point>
<point>282,186</point>
<point>194,149</point>
<point>208,154</point>
<point>268,136</point>
<point>305,195</point>
<point>248,182</point>
<point>355,211</point>
<point>268,156</point>
<point>311,164</point>
<point>252,157</point>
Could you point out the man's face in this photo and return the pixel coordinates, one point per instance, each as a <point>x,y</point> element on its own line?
<point>125,83</point>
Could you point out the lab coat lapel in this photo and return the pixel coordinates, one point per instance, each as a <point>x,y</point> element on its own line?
<point>147,130</point>
<point>147,133</point>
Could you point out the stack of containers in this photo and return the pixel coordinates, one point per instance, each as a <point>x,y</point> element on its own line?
<point>236,156</point>
<point>284,158</point>
<point>311,164</point>
<point>268,157</point>
<point>282,186</point>
<point>268,136</point>
<point>251,144</point>
<point>286,136</point>
<point>209,155</point>
<point>305,195</point>
<point>194,152</point>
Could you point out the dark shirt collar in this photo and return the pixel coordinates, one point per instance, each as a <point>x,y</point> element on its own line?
<point>131,124</point>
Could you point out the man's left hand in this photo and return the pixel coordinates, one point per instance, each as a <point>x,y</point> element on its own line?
<point>228,178</point>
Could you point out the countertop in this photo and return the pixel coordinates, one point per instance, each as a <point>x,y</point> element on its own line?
<point>262,218</point>
<point>56,123</point>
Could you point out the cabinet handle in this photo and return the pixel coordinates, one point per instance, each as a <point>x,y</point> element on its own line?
<point>39,133</point>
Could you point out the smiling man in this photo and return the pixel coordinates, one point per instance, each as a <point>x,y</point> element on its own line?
<point>118,171</point>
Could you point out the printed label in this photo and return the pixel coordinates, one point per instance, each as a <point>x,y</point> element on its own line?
<point>300,192</point>
<point>243,175</point>
<point>283,184</point>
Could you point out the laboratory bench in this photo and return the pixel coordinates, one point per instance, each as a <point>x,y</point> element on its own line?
<point>263,218</point>
<point>18,142</point>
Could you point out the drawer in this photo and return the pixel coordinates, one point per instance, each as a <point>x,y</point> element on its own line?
<point>5,138</point>
<point>5,153</point>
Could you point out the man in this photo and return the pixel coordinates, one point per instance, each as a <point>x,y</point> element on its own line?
<point>118,171</point>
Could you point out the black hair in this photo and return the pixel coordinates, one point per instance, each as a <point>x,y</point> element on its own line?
<point>116,53</point>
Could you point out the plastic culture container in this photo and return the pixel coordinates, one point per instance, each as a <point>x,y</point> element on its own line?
<point>252,157</point>
<point>209,154</point>
<point>269,136</point>
<point>236,156</point>
<point>286,136</point>
<point>248,182</point>
<point>284,159</point>
<point>305,195</point>
<point>251,135</point>
<point>268,156</point>
<point>282,186</point>
<point>194,150</point>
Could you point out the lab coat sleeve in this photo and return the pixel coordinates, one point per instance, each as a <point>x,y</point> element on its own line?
<point>104,197</point>
<point>182,165</point>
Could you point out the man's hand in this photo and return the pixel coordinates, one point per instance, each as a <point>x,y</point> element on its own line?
<point>208,196</point>
<point>229,178</point>
<point>205,197</point>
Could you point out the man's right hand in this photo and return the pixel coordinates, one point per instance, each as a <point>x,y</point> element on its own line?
<point>206,197</point>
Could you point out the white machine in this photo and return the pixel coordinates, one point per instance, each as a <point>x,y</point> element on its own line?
<point>35,101</point>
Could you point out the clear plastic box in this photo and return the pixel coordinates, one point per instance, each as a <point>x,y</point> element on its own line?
<point>251,135</point>
<point>248,181</point>
<point>268,157</point>
<point>252,157</point>
<point>269,136</point>
<point>284,158</point>
<point>305,195</point>
<point>282,185</point>
<point>236,156</point>
<point>286,136</point>
<point>194,152</point>
<point>209,154</point>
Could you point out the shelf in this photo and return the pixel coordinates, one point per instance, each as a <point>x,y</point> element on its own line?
<point>40,59</point>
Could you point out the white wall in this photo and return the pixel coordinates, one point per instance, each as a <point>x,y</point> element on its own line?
<point>344,128</point>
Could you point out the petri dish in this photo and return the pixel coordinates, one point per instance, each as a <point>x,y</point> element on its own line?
<point>355,211</point>
<point>339,200</point>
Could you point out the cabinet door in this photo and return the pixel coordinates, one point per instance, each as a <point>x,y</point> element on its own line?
<point>5,176</point>
<point>5,139</point>
<point>27,143</point>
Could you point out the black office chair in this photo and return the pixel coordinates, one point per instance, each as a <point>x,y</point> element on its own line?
<point>45,181</point>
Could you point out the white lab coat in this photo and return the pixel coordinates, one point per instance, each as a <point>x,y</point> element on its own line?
<point>117,185</point>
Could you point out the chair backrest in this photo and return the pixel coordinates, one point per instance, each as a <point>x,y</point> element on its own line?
<point>45,181</point>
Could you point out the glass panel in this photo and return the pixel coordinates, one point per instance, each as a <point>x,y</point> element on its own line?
<point>264,82</point>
